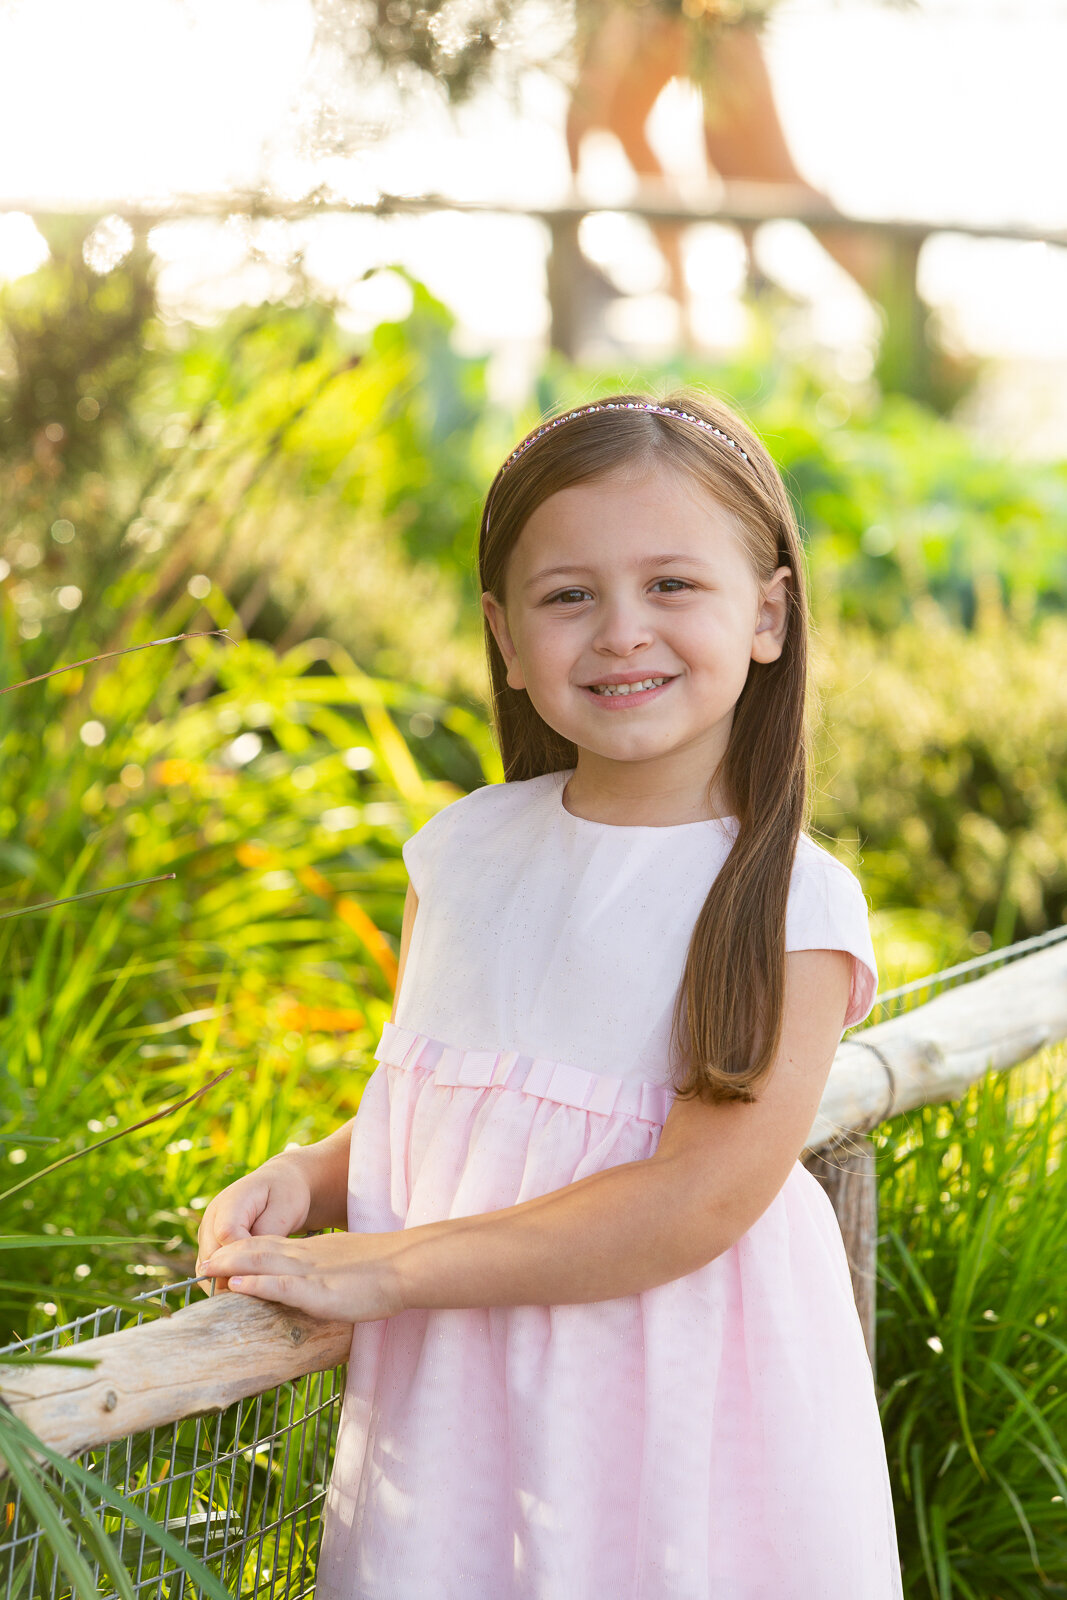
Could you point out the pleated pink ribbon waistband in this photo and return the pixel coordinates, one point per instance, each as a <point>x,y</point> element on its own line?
<point>539,1075</point>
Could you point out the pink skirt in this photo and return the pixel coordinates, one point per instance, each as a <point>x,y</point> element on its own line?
<point>714,1438</point>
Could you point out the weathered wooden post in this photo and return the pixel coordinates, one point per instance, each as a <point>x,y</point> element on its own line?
<point>905,354</point>
<point>846,1170</point>
<point>564,277</point>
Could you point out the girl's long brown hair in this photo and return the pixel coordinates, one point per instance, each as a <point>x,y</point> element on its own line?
<point>727,1021</point>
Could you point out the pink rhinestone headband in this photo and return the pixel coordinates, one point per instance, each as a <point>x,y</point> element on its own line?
<point>622,405</point>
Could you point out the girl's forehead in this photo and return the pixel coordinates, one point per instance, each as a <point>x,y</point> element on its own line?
<point>623,513</point>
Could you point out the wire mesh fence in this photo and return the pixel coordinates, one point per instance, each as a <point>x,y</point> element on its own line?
<point>891,1002</point>
<point>243,1489</point>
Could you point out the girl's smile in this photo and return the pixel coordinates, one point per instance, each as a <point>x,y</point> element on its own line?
<point>622,691</point>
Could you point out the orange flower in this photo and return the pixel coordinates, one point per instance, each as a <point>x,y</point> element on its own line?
<point>352,913</point>
<point>322,1019</point>
<point>176,771</point>
<point>349,910</point>
<point>256,855</point>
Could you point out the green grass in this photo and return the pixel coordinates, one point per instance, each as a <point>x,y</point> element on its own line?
<point>972,1336</point>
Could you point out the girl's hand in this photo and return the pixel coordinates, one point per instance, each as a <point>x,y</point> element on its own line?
<point>274,1199</point>
<point>347,1277</point>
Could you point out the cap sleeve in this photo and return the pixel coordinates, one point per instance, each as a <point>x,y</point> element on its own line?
<point>412,851</point>
<point>420,851</point>
<point>827,910</point>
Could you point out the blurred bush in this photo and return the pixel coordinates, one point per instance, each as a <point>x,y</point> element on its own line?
<point>942,771</point>
<point>75,346</point>
<point>324,483</point>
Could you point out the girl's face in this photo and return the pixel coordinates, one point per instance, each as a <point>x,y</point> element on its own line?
<point>623,580</point>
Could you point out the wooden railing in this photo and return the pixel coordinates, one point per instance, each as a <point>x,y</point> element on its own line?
<point>743,204</point>
<point>228,1347</point>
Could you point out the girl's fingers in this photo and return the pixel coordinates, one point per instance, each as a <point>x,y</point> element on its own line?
<point>210,1246</point>
<point>325,1277</point>
<point>301,1294</point>
<point>270,1286</point>
<point>275,1268</point>
<point>265,1253</point>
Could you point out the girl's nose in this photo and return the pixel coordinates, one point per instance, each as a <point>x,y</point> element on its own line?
<point>621,626</point>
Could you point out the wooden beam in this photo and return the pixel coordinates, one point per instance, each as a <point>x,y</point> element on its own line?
<point>200,1359</point>
<point>922,1057</point>
<point>937,1051</point>
<point>734,202</point>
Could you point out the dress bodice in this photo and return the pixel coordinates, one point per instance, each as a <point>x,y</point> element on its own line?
<point>547,933</point>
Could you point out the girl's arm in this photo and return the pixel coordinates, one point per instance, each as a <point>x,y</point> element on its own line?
<point>618,1232</point>
<point>325,1163</point>
<point>634,1226</point>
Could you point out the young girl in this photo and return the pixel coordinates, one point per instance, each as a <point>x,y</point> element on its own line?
<point>605,1341</point>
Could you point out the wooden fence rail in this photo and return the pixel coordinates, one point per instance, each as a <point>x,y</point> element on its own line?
<point>210,1354</point>
<point>738,202</point>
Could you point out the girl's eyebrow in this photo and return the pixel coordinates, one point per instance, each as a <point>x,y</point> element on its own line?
<point>646,561</point>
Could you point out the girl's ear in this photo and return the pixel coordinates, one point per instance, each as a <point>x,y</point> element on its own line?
<point>773,617</point>
<point>498,621</point>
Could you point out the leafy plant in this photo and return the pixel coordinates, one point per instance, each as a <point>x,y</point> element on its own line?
<point>971,1267</point>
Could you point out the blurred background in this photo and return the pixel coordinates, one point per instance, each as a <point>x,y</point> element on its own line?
<point>281,282</point>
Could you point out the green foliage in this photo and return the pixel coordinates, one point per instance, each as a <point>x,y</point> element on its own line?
<point>943,769</point>
<point>333,484</point>
<point>419,41</point>
<point>207,1497</point>
<point>443,435</point>
<point>326,485</point>
<point>57,1497</point>
<point>72,352</point>
<point>278,914</point>
<point>971,1345</point>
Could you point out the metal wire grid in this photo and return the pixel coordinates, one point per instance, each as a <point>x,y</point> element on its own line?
<point>249,1509</point>
<point>242,1489</point>
<point>891,1002</point>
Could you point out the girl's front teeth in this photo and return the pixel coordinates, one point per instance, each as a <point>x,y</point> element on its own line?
<point>626,688</point>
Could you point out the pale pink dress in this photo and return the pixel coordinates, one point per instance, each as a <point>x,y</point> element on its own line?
<point>714,1438</point>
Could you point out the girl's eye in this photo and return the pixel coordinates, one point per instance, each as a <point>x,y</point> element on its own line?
<point>565,593</point>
